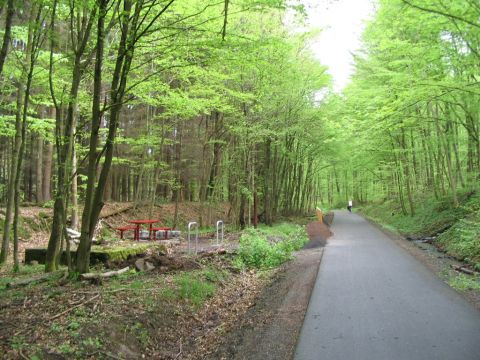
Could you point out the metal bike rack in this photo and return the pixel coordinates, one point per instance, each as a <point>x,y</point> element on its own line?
<point>190,225</point>
<point>220,229</point>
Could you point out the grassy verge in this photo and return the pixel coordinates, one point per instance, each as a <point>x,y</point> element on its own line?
<point>462,240</point>
<point>463,282</point>
<point>458,228</point>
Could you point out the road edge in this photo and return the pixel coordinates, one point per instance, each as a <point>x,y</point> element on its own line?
<point>419,253</point>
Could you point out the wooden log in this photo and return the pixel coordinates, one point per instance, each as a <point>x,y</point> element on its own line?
<point>463,269</point>
<point>35,279</point>
<point>116,212</point>
<point>90,276</point>
<point>33,254</point>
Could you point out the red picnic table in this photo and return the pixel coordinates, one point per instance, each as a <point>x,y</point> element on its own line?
<point>138,223</point>
<point>122,229</point>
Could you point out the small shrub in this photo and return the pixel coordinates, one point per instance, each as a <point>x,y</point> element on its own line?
<point>213,275</point>
<point>73,325</point>
<point>257,251</point>
<point>56,328</point>
<point>18,342</point>
<point>141,333</point>
<point>66,348</point>
<point>92,342</point>
<point>48,204</point>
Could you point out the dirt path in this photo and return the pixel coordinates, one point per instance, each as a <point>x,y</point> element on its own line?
<point>269,330</point>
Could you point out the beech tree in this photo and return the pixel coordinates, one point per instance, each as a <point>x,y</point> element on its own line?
<point>410,114</point>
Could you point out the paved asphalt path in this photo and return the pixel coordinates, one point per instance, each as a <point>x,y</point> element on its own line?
<point>374,301</point>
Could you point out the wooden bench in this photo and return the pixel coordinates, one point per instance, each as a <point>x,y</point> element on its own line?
<point>166,229</point>
<point>122,229</point>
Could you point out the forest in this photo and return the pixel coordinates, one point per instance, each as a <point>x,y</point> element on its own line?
<point>216,112</point>
<point>155,101</point>
<point>404,134</point>
<point>169,101</point>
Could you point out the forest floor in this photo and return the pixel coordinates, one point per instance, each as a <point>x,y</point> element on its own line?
<point>188,307</point>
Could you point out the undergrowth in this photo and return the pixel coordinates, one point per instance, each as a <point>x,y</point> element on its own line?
<point>267,247</point>
<point>462,240</point>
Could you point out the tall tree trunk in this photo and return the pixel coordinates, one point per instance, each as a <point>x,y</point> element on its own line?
<point>64,134</point>
<point>75,219</point>
<point>267,205</point>
<point>130,34</point>
<point>47,172</point>
<point>448,155</point>
<point>33,44</point>
<point>83,252</point>
<point>39,169</point>
<point>9,211</point>
<point>7,33</point>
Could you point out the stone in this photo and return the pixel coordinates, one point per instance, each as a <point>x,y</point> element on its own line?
<point>140,264</point>
<point>144,265</point>
<point>149,266</point>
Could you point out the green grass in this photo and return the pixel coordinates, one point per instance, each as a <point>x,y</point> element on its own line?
<point>197,286</point>
<point>268,247</point>
<point>465,282</point>
<point>194,288</point>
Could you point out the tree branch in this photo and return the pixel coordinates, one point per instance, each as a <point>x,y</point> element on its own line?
<point>438,12</point>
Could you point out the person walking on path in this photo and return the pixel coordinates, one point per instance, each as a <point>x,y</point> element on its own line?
<point>350,205</point>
